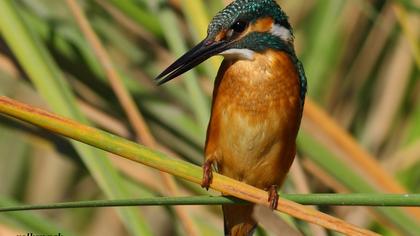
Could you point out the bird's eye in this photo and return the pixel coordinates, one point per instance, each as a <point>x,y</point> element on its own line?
<point>239,26</point>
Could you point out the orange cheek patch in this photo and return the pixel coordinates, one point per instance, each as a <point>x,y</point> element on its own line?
<point>220,36</point>
<point>262,25</point>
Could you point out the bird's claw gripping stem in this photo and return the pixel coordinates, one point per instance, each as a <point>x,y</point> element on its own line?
<point>207,175</point>
<point>273,197</point>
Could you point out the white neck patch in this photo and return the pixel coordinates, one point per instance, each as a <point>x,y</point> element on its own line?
<point>282,32</point>
<point>234,53</point>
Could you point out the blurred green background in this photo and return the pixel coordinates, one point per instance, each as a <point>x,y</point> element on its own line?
<point>361,58</point>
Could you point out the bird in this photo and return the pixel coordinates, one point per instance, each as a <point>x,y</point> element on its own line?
<point>257,104</point>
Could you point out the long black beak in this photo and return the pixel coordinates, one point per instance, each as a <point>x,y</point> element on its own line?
<point>192,58</point>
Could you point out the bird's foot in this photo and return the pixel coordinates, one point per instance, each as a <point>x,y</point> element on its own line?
<point>207,174</point>
<point>273,197</point>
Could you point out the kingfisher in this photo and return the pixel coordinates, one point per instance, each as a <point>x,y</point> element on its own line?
<point>257,104</point>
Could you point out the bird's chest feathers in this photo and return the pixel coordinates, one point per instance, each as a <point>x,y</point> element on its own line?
<point>262,89</point>
<point>257,102</point>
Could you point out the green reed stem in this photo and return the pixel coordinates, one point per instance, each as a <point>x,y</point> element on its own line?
<point>378,200</point>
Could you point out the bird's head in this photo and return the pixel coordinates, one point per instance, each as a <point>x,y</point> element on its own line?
<point>241,29</point>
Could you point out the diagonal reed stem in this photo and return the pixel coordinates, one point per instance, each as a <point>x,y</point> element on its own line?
<point>154,159</point>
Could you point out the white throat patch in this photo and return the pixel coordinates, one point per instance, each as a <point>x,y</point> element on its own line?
<point>282,32</point>
<point>244,54</point>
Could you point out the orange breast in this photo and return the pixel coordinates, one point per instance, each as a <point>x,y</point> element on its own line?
<point>255,119</point>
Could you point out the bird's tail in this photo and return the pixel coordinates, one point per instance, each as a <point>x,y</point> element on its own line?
<point>238,220</point>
